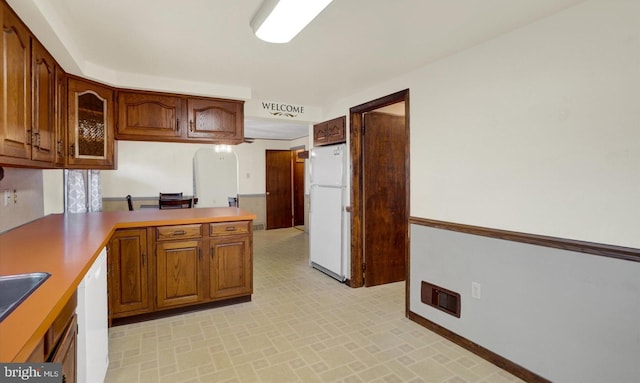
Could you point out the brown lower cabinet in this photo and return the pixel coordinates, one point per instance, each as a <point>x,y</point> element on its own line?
<point>230,267</point>
<point>191,264</point>
<point>128,278</point>
<point>179,273</point>
<point>59,344</point>
<point>66,353</point>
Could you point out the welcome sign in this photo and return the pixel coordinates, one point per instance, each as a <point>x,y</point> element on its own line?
<point>283,110</point>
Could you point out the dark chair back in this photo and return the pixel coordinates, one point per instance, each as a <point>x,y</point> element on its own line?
<point>176,203</point>
<point>170,195</point>
<point>129,202</point>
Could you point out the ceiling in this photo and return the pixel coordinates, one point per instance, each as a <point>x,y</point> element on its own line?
<point>351,45</point>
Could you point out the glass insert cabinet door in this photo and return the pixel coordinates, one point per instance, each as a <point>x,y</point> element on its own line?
<point>91,125</point>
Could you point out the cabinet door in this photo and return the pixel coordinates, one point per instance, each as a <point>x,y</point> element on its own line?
<point>60,117</point>
<point>43,93</point>
<point>336,132</point>
<point>90,127</point>
<point>330,132</point>
<point>15,99</point>
<point>66,353</point>
<point>217,120</point>
<point>128,273</point>
<point>179,273</point>
<point>320,136</point>
<point>149,116</point>
<point>231,267</point>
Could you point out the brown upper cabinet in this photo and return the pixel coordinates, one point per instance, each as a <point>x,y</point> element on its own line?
<point>60,118</point>
<point>330,132</point>
<point>51,119</point>
<point>90,125</point>
<point>43,140</point>
<point>15,101</point>
<point>216,120</point>
<point>29,105</point>
<point>152,116</point>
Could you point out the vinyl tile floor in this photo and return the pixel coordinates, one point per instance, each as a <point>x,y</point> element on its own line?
<point>301,326</point>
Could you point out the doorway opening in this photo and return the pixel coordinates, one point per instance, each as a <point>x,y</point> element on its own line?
<point>379,135</point>
<point>285,200</point>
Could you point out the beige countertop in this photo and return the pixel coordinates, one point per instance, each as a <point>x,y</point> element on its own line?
<point>66,245</point>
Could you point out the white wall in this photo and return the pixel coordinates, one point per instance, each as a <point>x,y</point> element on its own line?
<point>147,168</point>
<point>53,190</point>
<point>535,131</point>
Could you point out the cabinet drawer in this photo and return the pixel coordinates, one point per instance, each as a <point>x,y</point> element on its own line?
<point>229,228</point>
<point>165,233</point>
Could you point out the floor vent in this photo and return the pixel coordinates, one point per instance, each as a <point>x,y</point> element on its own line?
<point>440,298</point>
<point>259,226</point>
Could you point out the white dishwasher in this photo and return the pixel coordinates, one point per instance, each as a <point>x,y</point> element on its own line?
<point>93,336</point>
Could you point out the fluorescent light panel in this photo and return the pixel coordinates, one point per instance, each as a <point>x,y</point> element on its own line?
<point>280,21</point>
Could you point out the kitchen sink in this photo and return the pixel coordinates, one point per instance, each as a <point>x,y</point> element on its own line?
<point>14,289</point>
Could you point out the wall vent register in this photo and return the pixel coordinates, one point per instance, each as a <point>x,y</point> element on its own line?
<point>440,298</point>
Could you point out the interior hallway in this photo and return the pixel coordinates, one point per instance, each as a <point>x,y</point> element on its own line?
<point>301,326</point>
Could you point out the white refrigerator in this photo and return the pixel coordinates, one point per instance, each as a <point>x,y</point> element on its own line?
<point>327,216</point>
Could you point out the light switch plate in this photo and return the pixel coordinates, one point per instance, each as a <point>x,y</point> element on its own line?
<point>476,291</point>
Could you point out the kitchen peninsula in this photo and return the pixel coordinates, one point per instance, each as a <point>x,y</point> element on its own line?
<point>66,245</point>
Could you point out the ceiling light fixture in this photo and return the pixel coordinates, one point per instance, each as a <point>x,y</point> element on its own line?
<point>279,21</point>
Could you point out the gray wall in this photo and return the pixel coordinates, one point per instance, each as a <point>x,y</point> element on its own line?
<point>567,316</point>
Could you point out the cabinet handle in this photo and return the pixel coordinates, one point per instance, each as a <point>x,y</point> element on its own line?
<point>60,147</point>
<point>200,254</point>
<point>177,124</point>
<point>191,125</point>
<point>213,252</point>
<point>72,152</point>
<point>36,138</point>
<point>231,228</point>
<point>144,258</point>
<point>29,136</point>
<point>179,232</point>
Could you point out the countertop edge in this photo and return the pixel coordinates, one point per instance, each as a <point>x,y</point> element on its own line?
<point>114,221</point>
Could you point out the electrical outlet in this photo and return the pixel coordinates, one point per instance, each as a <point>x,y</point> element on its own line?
<point>476,290</point>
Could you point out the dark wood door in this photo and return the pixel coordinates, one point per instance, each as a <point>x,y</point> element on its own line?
<point>384,187</point>
<point>15,85</point>
<point>44,88</point>
<point>279,189</point>
<point>128,273</point>
<point>298,189</point>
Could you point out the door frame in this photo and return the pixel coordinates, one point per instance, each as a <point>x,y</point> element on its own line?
<point>357,190</point>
